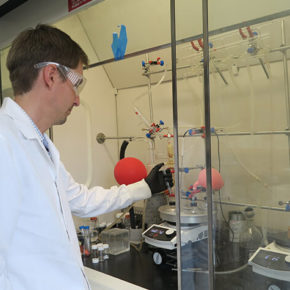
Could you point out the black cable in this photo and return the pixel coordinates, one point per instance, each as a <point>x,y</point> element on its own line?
<point>220,202</point>
<point>123,149</point>
<point>131,210</point>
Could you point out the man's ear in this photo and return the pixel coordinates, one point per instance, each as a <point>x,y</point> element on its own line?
<point>49,74</point>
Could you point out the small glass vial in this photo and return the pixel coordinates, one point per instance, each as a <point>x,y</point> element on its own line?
<point>101,253</point>
<point>94,254</point>
<point>100,244</point>
<point>106,251</point>
<point>127,221</point>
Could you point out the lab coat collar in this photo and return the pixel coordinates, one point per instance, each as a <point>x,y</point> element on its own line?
<point>12,109</point>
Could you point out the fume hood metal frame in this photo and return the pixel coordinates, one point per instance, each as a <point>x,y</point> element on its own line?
<point>173,45</point>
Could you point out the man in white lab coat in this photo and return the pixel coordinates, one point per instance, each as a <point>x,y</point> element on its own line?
<point>38,243</point>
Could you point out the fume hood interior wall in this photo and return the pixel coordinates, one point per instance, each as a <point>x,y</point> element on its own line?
<point>255,169</point>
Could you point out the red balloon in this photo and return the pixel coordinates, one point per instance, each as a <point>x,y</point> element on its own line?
<point>129,170</point>
<point>216,179</point>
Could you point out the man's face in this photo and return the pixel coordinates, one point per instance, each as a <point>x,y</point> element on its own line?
<point>66,98</point>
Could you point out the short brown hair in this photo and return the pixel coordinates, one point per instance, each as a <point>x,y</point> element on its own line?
<point>42,44</point>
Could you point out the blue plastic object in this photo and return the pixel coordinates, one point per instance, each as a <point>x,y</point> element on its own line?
<point>143,63</point>
<point>161,62</point>
<point>186,170</point>
<point>251,49</point>
<point>287,208</point>
<point>161,122</point>
<point>119,43</point>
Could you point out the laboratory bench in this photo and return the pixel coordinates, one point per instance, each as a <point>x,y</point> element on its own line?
<point>138,268</point>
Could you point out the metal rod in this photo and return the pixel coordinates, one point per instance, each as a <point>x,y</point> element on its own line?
<point>285,67</point>
<point>286,132</point>
<point>283,48</point>
<point>206,86</point>
<point>101,138</point>
<point>250,205</point>
<point>286,81</point>
<point>125,137</point>
<point>175,132</point>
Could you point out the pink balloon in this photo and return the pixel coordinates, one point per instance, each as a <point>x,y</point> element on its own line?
<point>216,179</point>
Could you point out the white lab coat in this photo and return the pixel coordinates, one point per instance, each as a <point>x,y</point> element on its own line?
<point>38,243</point>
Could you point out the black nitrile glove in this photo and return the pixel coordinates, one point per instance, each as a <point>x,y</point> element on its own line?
<point>159,180</point>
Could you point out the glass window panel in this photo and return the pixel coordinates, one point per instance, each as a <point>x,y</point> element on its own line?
<point>193,208</point>
<point>249,113</point>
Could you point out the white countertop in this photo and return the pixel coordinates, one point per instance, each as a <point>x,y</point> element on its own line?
<point>101,281</point>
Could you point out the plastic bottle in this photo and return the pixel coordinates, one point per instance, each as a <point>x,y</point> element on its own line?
<point>253,235</point>
<point>101,253</point>
<point>127,221</point>
<point>94,254</point>
<point>81,236</point>
<point>101,227</point>
<point>120,223</point>
<point>94,223</point>
<point>87,241</point>
<point>106,251</point>
<point>237,224</point>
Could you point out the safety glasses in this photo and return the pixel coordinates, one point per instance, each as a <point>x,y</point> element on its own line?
<point>77,80</point>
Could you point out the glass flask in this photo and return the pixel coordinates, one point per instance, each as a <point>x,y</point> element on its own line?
<point>252,236</point>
